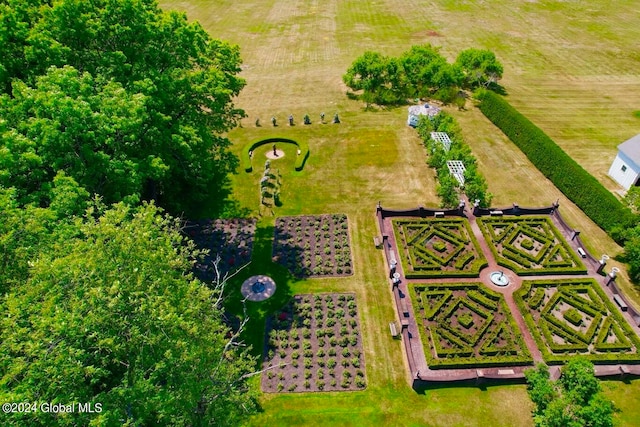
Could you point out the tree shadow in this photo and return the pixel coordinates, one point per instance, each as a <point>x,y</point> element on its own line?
<point>482,384</point>
<point>258,312</point>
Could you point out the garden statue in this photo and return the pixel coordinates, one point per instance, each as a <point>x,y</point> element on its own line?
<point>273,121</point>
<point>336,119</point>
<point>322,117</point>
<point>275,152</point>
<point>258,122</point>
<point>291,120</point>
<point>307,119</point>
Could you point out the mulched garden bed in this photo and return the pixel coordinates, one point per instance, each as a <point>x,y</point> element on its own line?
<point>314,344</point>
<point>232,239</point>
<point>313,245</point>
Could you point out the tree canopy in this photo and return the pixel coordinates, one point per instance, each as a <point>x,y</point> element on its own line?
<point>114,317</point>
<point>574,400</point>
<point>125,98</point>
<point>420,72</point>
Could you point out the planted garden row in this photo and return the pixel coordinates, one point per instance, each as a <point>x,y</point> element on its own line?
<point>314,344</point>
<point>313,246</point>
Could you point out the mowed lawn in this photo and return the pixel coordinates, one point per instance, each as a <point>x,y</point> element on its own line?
<point>568,66</point>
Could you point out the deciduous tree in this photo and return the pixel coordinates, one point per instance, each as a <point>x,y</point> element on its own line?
<point>114,317</point>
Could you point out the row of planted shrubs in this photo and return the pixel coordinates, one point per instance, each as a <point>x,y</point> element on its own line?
<point>577,184</point>
<point>475,186</point>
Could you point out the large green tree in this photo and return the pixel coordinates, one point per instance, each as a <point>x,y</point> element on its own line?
<point>114,317</point>
<point>184,80</point>
<point>480,67</point>
<point>574,400</point>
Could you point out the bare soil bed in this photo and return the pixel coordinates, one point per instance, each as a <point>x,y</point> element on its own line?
<point>313,245</point>
<point>314,344</point>
<point>231,239</point>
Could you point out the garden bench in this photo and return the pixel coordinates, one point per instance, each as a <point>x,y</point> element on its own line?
<point>376,242</point>
<point>582,253</point>
<point>618,299</point>
<point>403,307</point>
<point>496,213</point>
<point>439,214</point>
<point>394,329</point>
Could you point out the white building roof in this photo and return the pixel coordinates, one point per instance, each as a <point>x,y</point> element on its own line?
<point>631,149</point>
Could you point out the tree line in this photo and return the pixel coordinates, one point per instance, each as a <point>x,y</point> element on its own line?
<point>421,72</point>
<point>111,115</point>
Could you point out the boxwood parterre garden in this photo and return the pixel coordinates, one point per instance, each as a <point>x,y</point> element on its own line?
<point>575,316</point>
<point>467,325</point>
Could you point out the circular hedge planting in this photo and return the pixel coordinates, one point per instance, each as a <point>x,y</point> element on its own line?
<point>300,160</point>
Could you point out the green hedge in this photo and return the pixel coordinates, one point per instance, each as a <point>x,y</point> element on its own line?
<point>577,184</point>
<point>601,352</point>
<point>300,160</point>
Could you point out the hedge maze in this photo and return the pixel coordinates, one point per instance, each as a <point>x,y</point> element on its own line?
<point>574,317</point>
<point>530,245</point>
<point>438,248</point>
<point>467,325</point>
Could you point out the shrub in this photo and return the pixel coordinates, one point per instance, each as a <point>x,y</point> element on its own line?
<point>526,244</point>
<point>568,176</point>
<point>440,246</point>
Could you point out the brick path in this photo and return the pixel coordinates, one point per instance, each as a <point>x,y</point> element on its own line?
<point>420,373</point>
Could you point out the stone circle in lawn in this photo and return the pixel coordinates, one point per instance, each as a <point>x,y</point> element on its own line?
<point>314,344</point>
<point>464,325</point>
<point>232,239</point>
<point>313,245</point>
<point>434,247</point>
<point>529,245</point>
<point>575,316</point>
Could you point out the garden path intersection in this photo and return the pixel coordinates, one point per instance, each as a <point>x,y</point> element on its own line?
<point>451,329</point>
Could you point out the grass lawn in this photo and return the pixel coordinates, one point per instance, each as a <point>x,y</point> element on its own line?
<point>569,67</point>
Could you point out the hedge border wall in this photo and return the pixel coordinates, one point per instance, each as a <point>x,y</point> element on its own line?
<point>567,175</point>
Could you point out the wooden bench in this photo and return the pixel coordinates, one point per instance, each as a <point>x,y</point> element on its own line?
<point>618,299</point>
<point>496,213</point>
<point>403,307</point>
<point>439,214</point>
<point>376,242</point>
<point>394,329</point>
<point>582,253</point>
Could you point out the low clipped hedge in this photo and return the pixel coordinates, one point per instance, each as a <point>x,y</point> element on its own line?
<point>300,160</point>
<point>596,350</point>
<point>577,184</point>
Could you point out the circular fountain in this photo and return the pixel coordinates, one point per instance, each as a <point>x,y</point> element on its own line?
<point>258,288</point>
<point>498,278</point>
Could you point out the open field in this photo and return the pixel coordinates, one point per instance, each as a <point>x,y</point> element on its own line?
<point>570,67</point>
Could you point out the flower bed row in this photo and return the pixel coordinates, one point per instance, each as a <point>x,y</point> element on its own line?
<point>313,245</point>
<point>314,344</point>
<point>231,239</point>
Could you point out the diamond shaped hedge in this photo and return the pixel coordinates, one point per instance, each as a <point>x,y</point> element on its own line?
<point>572,317</point>
<point>530,245</point>
<point>465,325</point>
<point>436,247</point>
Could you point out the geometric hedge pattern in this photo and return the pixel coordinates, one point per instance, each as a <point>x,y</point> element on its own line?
<point>466,324</point>
<point>530,245</point>
<point>573,317</point>
<point>437,247</point>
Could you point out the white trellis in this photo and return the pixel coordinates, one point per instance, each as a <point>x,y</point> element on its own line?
<point>442,138</point>
<point>456,168</point>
